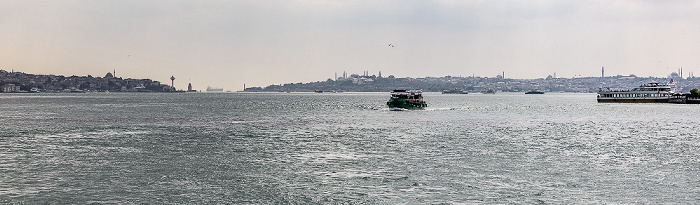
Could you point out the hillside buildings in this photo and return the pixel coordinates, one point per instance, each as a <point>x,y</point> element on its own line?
<point>366,83</point>
<point>58,83</point>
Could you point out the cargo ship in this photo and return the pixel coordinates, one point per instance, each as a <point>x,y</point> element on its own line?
<point>212,89</point>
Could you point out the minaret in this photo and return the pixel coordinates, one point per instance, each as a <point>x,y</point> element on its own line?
<point>172,82</point>
<point>602,72</point>
<point>189,87</point>
<point>380,74</point>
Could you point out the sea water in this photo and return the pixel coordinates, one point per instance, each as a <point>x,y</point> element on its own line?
<point>308,148</point>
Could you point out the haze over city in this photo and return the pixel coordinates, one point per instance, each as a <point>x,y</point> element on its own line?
<point>229,43</point>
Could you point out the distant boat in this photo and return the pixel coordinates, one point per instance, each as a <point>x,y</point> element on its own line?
<point>212,89</point>
<point>489,91</point>
<point>455,91</point>
<point>535,91</point>
<point>34,90</point>
<point>324,91</point>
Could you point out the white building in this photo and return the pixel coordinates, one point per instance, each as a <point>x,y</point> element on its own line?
<point>9,88</point>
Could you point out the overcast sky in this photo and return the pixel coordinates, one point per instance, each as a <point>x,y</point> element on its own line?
<point>262,42</point>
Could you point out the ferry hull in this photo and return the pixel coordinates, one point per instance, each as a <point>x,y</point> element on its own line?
<point>632,100</point>
<point>404,104</point>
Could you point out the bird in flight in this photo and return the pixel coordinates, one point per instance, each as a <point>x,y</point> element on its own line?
<point>390,45</point>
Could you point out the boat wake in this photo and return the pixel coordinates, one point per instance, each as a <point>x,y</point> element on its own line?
<point>397,109</point>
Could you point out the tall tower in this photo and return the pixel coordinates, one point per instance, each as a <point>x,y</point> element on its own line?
<point>380,74</point>
<point>602,72</point>
<point>172,82</point>
<point>189,87</point>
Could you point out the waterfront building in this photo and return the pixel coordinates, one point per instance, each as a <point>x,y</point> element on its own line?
<point>9,88</point>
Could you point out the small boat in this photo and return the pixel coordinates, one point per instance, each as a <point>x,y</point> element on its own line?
<point>406,100</point>
<point>324,91</point>
<point>455,91</point>
<point>34,90</point>
<point>489,91</point>
<point>535,91</point>
<point>647,93</point>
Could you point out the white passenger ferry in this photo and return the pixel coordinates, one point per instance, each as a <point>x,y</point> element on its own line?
<point>647,93</point>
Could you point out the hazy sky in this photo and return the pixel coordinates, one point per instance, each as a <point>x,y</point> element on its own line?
<point>262,42</point>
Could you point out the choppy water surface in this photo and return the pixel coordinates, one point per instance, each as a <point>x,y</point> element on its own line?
<point>261,148</point>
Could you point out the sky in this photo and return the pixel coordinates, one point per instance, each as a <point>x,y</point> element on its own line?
<point>230,43</point>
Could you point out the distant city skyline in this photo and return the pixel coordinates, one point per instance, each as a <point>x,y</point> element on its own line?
<point>231,43</point>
